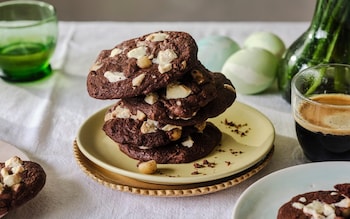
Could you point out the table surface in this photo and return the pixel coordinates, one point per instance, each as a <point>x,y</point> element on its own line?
<point>42,119</point>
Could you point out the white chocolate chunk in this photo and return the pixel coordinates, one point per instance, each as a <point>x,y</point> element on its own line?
<point>188,142</point>
<point>317,209</point>
<point>96,66</point>
<point>140,43</point>
<point>298,205</point>
<point>144,147</point>
<point>164,60</point>
<point>149,126</point>
<point>124,113</point>
<point>302,199</point>
<point>114,76</point>
<point>344,203</point>
<point>140,115</point>
<point>115,51</point>
<point>10,173</point>
<point>137,53</point>
<point>11,180</point>
<point>17,169</point>
<point>334,193</point>
<point>13,162</point>
<point>138,80</point>
<point>157,37</point>
<point>118,112</point>
<point>175,91</point>
<point>169,127</point>
<point>4,172</point>
<point>151,98</point>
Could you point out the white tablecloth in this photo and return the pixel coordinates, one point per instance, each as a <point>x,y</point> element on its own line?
<point>42,119</point>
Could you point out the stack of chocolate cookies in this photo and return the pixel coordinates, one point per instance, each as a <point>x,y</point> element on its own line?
<point>164,96</point>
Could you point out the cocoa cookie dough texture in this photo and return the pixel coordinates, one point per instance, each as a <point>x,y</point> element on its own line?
<point>20,181</point>
<point>330,204</point>
<point>164,96</point>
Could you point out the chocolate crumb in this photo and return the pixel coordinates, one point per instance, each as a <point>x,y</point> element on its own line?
<point>236,152</point>
<point>197,165</point>
<point>228,163</point>
<point>237,128</point>
<point>209,164</point>
<point>195,173</point>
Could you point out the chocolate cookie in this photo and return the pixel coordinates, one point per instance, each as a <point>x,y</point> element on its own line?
<point>180,99</point>
<point>196,146</point>
<point>226,97</point>
<point>20,181</point>
<point>318,204</point>
<point>142,65</point>
<point>126,126</point>
<point>156,110</point>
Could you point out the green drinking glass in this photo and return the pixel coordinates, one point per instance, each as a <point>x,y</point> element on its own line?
<point>28,36</point>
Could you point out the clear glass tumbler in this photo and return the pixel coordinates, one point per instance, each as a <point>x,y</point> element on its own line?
<point>28,36</point>
<point>321,109</point>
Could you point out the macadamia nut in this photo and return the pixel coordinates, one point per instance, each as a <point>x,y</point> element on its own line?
<point>144,62</point>
<point>175,91</point>
<point>148,167</point>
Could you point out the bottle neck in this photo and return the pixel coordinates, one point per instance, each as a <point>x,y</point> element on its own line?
<point>330,15</point>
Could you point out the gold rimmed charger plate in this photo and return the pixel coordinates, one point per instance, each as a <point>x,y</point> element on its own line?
<point>122,183</point>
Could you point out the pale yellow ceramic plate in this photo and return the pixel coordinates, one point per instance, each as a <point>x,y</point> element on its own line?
<point>248,137</point>
<point>7,151</point>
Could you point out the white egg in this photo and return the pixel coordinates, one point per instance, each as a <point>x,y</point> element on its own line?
<point>266,40</point>
<point>214,50</point>
<point>251,70</point>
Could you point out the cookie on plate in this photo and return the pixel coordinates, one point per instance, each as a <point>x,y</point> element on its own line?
<point>128,126</point>
<point>194,147</point>
<point>20,181</point>
<point>180,99</point>
<point>156,111</point>
<point>142,65</point>
<point>226,97</point>
<point>332,204</point>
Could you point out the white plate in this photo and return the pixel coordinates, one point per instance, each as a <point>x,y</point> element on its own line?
<point>101,150</point>
<point>264,197</point>
<point>7,151</point>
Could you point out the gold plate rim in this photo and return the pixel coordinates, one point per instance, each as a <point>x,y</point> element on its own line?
<point>125,184</point>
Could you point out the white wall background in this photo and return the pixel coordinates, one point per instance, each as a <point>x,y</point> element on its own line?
<point>184,10</point>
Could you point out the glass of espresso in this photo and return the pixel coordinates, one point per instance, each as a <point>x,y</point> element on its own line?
<point>28,35</point>
<point>321,110</point>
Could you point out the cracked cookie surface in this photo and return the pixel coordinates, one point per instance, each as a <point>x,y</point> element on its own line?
<point>141,65</point>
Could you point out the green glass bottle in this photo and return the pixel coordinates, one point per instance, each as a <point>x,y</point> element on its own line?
<point>327,40</point>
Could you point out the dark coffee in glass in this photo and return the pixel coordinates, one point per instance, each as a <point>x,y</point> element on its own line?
<point>320,131</point>
<point>321,109</point>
